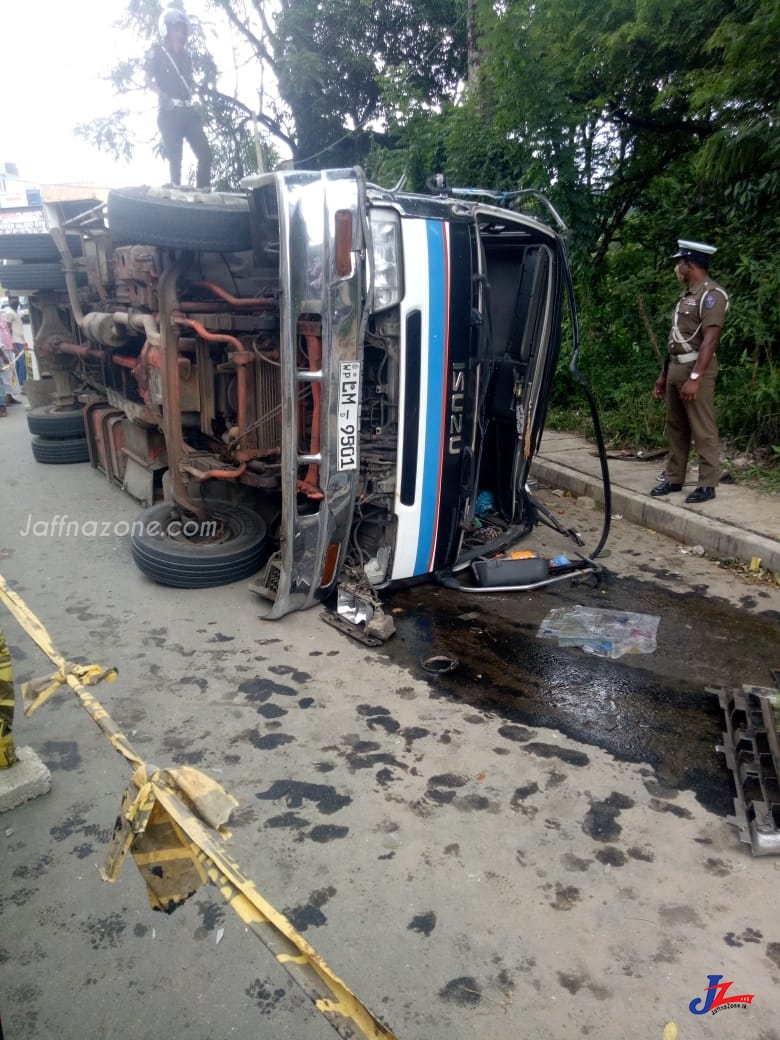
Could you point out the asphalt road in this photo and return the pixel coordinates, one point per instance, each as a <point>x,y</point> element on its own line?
<point>517,849</point>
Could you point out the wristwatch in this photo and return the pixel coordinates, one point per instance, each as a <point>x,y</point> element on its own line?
<point>694,375</point>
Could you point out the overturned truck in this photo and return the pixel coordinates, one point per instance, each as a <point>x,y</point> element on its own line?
<point>316,382</point>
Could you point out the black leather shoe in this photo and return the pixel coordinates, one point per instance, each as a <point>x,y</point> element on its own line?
<point>701,494</point>
<point>665,489</point>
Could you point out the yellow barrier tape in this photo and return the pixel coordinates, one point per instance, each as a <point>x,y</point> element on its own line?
<point>175,817</point>
<point>8,755</point>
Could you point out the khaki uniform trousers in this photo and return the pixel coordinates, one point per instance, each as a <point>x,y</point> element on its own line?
<point>695,421</point>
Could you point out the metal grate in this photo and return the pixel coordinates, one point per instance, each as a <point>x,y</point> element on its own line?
<point>751,744</point>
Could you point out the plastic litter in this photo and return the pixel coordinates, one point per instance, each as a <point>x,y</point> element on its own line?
<point>604,633</point>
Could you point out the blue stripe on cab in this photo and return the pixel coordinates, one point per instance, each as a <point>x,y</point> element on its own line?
<point>436,380</point>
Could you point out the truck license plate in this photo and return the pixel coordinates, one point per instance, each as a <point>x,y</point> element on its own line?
<point>349,403</point>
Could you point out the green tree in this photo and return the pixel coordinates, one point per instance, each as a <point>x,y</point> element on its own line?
<point>319,71</point>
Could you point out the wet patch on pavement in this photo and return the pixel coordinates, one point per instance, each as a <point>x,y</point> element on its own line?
<point>749,935</point>
<point>294,673</point>
<point>571,862</point>
<point>259,690</point>
<point>567,755</point>
<point>267,741</point>
<point>325,832</point>
<point>289,820</point>
<point>212,915</point>
<point>642,710</point>
<point>61,754</point>
<point>265,996</point>
<point>310,915</point>
<point>600,821</point>
<point>611,856</point>
<point>644,853</point>
<point>104,933</point>
<point>667,807</point>
<point>193,680</point>
<point>33,870</point>
<point>565,896</point>
<point>295,792</point>
<point>574,983</point>
<point>423,923</point>
<point>464,991</point>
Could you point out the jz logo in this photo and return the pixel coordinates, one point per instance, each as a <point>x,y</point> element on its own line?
<point>716,998</point>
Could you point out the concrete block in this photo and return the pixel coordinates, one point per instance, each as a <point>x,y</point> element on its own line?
<point>27,779</point>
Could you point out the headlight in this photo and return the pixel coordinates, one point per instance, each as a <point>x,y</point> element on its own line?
<point>386,247</point>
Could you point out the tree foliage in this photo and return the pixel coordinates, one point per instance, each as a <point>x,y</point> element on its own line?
<point>643,121</point>
<point>311,74</point>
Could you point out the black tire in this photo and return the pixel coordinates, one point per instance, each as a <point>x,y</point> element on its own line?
<point>178,219</point>
<point>60,452</point>
<point>236,553</point>
<point>55,423</point>
<point>27,278</point>
<point>29,246</point>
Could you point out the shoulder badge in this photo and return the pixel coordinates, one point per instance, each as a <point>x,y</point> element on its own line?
<point>709,301</point>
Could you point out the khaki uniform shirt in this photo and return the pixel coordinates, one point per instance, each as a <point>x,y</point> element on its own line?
<point>699,307</point>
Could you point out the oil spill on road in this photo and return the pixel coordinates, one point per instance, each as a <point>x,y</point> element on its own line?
<point>464,991</point>
<point>310,915</point>
<point>265,996</point>
<point>637,709</point>
<point>567,755</point>
<point>61,754</point>
<point>611,856</point>
<point>212,915</point>
<point>325,832</point>
<point>423,923</point>
<point>566,896</point>
<point>259,690</point>
<point>271,711</point>
<point>600,821</point>
<point>33,870</point>
<point>294,673</point>
<point>295,792</point>
<point>268,741</point>
<point>289,820</point>
<point>104,932</point>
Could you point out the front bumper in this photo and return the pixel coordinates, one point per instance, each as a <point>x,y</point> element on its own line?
<point>322,298</point>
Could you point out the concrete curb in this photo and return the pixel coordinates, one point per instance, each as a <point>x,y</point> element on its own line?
<point>719,539</point>
<point>28,779</point>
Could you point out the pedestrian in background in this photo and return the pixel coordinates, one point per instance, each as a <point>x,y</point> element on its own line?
<point>169,74</point>
<point>687,382</point>
<point>10,383</point>
<point>14,319</point>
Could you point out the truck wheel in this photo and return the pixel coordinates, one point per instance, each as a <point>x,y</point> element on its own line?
<point>179,219</point>
<point>167,554</point>
<point>29,246</point>
<point>55,422</point>
<point>60,452</point>
<point>26,278</point>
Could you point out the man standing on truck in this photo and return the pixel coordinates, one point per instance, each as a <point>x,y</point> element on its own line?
<point>169,74</point>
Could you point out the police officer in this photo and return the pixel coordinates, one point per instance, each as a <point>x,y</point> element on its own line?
<point>688,379</point>
<point>169,74</point>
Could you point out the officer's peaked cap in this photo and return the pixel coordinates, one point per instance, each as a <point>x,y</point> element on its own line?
<point>698,252</point>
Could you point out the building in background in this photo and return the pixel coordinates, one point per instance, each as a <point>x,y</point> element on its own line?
<point>20,203</point>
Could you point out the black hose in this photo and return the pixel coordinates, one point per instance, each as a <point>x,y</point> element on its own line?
<point>574,369</point>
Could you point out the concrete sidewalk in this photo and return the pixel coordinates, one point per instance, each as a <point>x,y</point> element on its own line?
<point>740,523</point>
